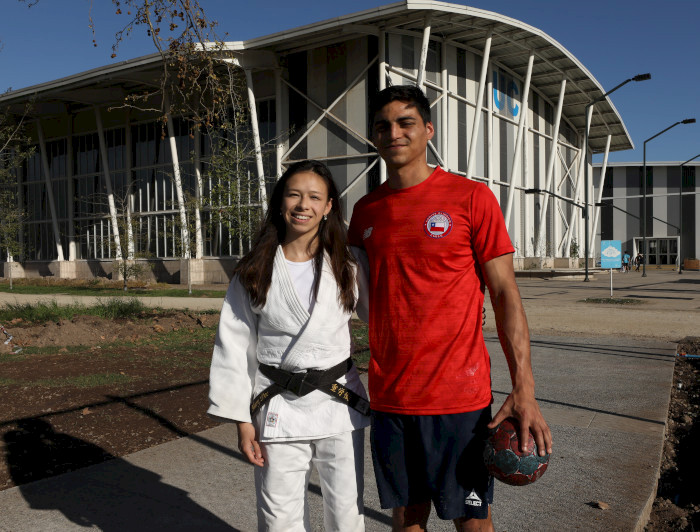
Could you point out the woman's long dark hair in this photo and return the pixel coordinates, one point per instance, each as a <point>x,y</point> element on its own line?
<point>255,269</point>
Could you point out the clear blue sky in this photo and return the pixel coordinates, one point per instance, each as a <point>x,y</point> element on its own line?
<point>613,39</point>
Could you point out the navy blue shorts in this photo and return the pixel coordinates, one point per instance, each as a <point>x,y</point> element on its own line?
<point>439,458</point>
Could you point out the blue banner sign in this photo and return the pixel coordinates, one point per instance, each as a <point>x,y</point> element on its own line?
<point>611,254</point>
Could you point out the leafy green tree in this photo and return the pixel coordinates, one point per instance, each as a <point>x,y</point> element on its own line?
<point>14,150</point>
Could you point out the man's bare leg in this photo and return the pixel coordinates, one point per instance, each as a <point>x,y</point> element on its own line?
<point>412,518</point>
<point>474,525</point>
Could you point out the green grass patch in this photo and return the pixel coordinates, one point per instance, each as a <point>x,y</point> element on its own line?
<point>613,300</point>
<point>8,382</point>
<point>102,288</point>
<point>110,308</point>
<point>360,340</point>
<point>182,340</point>
<point>83,381</point>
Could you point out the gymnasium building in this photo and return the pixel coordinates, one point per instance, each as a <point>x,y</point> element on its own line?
<point>670,214</point>
<point>508,105</point>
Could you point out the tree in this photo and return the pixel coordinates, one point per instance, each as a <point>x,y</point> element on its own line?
<point>14,150</point>
<point>202,83</point>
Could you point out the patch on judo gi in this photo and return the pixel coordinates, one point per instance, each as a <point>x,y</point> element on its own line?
<point>271,419</point>
<point>438,224</point>
<point>367,233</point>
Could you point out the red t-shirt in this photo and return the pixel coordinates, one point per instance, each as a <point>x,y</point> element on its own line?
<point>425,245</point>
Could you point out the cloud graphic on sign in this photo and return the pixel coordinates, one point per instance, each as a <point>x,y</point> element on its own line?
<point>611,252</point>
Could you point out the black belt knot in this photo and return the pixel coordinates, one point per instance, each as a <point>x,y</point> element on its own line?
<point>304,382</point>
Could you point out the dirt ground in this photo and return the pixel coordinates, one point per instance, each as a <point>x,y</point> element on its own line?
<point>138,396</point>
<point>146,400</point>
<point>677,504</point>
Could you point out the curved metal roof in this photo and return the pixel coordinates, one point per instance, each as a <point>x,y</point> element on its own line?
<point>512,42</point>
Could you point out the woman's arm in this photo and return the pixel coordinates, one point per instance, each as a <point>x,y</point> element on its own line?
<point>234,360</point>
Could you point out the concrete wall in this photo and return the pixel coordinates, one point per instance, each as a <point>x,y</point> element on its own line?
<point>173,271</point>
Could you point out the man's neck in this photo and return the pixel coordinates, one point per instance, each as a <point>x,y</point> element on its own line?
<point>408,176</point>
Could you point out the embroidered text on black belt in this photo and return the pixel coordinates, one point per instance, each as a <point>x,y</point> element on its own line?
<point>305,382</point>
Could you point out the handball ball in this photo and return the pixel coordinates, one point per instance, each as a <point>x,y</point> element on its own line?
<point>506,462</point>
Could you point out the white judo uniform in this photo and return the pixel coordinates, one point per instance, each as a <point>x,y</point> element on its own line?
<point>293,431</point>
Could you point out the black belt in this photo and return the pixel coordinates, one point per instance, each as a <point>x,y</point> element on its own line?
<point>306,382</point>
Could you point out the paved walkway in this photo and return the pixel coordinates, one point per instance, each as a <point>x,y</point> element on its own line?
<point>605,397</point>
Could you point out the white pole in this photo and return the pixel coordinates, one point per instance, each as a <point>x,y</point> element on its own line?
<point>199,192</point>
<point>130,191</point>
<point>108,184</point>
<point>577,192</point>
<point>184,232</point>
<point>489,132</point>
<point>49,191</point>
<point>382,86</point>
<point>596,209</point>
<point>518,140</point>
<point>444,143</point>
<point>256,139</point>
<point>423,54</point>
<point>72,250</point>
<point>279,148</point>
<point>550,168</point>
<point>471,154</point>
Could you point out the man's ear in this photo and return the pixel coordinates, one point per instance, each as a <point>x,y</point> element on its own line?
<point>431,130</point>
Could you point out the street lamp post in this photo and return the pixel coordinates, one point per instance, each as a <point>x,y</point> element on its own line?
<point>644,194</point>
<point>680,213</point>
<point>638,77</point>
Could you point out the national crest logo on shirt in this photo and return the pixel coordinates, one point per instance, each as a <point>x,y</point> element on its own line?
<point>438,224</point>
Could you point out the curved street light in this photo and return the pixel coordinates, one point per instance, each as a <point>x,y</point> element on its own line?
<point>638,77</point>
<point>644,200</point>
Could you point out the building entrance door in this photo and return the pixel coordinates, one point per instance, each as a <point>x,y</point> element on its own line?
<point>661,250</point>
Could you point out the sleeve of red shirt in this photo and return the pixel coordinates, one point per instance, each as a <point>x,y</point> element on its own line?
<point>489,234</point>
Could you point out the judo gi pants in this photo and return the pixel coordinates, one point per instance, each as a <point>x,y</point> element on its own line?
<point>281,484</point>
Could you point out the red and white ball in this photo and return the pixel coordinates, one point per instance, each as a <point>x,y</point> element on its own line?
<point>506,462</point>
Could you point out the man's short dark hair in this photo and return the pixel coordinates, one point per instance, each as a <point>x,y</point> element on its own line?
<point>403,93</point>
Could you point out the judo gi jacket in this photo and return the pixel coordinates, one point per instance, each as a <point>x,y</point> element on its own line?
<point>283,334</point>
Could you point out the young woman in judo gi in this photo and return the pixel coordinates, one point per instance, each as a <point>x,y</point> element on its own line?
<point>288,308</point>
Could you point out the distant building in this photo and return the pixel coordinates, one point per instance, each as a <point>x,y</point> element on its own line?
<point>508,109</point>
<point>621,209</point>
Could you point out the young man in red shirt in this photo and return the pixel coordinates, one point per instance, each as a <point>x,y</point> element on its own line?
<point>434,241</point>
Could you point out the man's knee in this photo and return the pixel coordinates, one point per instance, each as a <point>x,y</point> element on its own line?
<point>415,515</point>
<point>475,525</point>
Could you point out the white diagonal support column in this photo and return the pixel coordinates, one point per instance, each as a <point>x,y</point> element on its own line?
<point>577,192</point>
<point>515,170</point>
<point>489,131</point>
<point>70,182</point>
<point>49,191</point>
<point>327,111</point>
<point>130,248</point>
<point>423,54</point>
<point>279,147</point>
<point>550,169</point>
<point>596,208</point>
<point>382,60</point>
<point>199,193</point>
<point>444,143</point>
<point>471,154</point>
<point>108,185</point>
<point>256,138</point>
<point>177,178</point>
<point>382,86</point>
